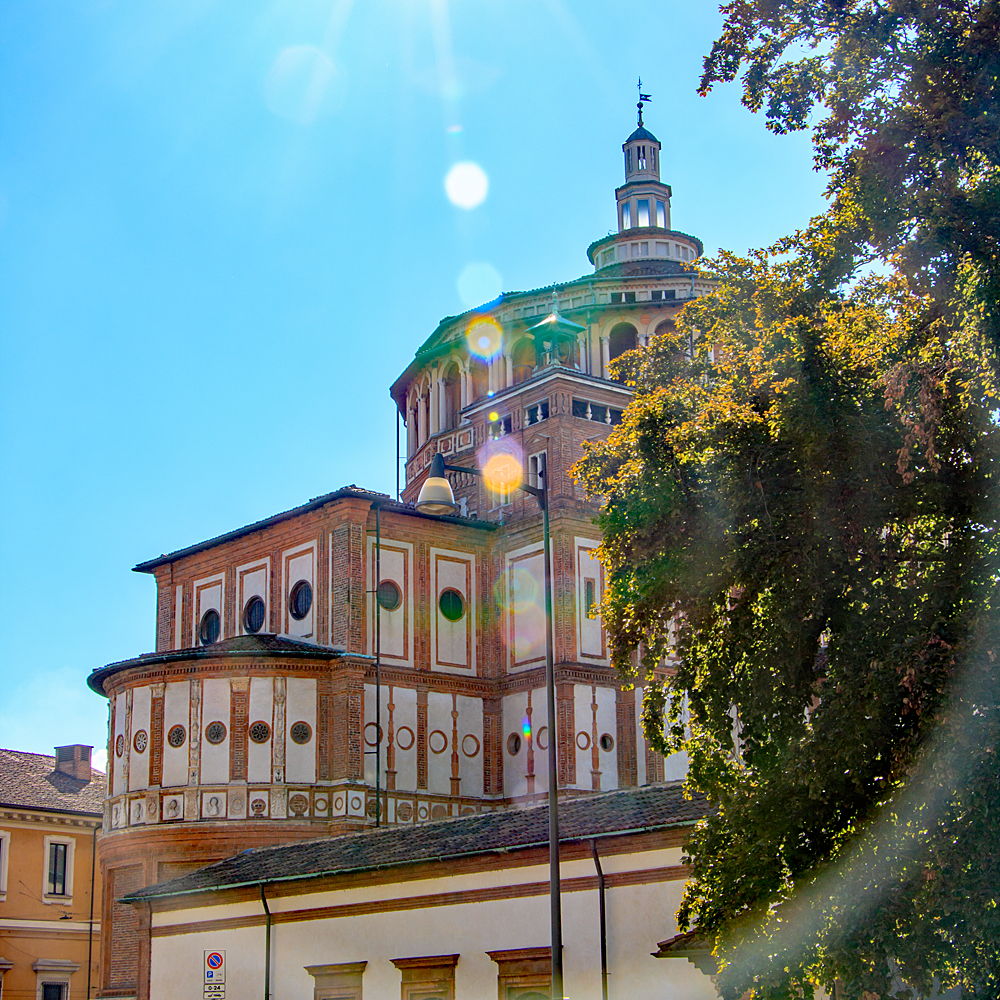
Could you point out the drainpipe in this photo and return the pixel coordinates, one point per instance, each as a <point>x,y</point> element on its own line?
<point>378,666</point>
<point>267,945</point>
<point>90,931</point>
<point>604,922</point>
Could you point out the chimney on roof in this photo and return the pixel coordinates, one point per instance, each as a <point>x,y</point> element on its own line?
<point>74,760</point>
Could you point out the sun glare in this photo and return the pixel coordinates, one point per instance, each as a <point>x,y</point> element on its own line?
<point>466,184</point>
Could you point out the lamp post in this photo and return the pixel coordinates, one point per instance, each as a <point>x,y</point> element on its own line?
<point>437,497</point>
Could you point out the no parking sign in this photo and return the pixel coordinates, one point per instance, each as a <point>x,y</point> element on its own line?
<point>215,974</point>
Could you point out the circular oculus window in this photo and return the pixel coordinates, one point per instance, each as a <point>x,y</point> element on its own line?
<point>300,732</point>
<point>253,614</point>
<point>451,604</point>
<point>176,736</point>
<point>119,746</point>
<point>514,744</point>
<point>300,600</point>
<point>607,742</point>
<point>260,732</point>
<point>140,741</point>
<point>210,627</point>
<point>215,732</point>
<point>389,595</point>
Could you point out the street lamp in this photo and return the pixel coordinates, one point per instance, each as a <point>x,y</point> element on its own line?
<point>437,497</point>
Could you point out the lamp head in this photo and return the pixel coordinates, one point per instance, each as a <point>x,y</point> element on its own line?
<point>436,495</point>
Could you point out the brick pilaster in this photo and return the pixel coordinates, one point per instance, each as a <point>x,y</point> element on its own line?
<point>627,764</point>
<point>566,724</point>
<point>239,699</point>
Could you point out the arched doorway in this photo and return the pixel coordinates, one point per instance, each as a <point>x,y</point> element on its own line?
<point>523,360</point>
<point>623,337</point>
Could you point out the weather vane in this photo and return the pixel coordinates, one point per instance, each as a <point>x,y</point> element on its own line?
<point>642,99</point>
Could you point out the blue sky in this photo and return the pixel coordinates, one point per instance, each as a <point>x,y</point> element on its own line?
<point>224,231</point>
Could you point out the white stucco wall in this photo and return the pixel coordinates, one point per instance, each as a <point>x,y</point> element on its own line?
<point>638,917</point>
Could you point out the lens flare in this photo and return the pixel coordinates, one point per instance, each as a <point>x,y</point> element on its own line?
<point>484,338</point>
<point>526,728</point>
<point>502,472</point>
<point>466,184</point>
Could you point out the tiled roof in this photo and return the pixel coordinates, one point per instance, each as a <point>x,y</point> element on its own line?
<point>653,807</point>
<point>261,644</point>
<point>30,781</point>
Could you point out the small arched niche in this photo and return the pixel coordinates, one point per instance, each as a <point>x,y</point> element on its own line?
<point>523,360</point>
<point>624,337</point>
<point>479,379</point>
<point>452,383</point>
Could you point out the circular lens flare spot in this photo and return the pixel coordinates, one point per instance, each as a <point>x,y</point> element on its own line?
<point>484,338</point>
<point>526,727</point>
<point>502,472</point>
<point>466,184</point>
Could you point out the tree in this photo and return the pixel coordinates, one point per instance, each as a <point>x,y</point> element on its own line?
<point>800,519</point>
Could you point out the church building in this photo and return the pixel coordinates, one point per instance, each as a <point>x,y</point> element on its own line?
<point>354,666</point>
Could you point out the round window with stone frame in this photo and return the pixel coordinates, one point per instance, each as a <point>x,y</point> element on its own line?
<point>514,744</point>
<point>607,742</point>
<point>451,604</point>
<point>140,740</point>
<point>176,736</point>
<point>254,614</point>
<point>389,595</point>
<point>215,732</point>
<point>300,732</point>
<point>260,732</point>
<point>210,627</point>
<point>119,745</point>
<point>300,600</point>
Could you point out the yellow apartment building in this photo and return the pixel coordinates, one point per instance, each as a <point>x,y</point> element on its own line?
<point>50,892</point>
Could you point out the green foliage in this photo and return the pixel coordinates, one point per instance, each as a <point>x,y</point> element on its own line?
<point>800,516</point>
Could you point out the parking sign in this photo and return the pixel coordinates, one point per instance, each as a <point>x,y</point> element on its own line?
<point>215,975</point>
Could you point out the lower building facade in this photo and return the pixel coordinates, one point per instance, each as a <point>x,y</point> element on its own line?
<point>454,909</point>
<point>50,888</point>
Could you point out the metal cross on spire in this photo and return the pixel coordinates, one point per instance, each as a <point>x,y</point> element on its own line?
<point>642,99</point>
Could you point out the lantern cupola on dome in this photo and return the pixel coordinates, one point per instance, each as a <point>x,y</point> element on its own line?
<point>643,202</point>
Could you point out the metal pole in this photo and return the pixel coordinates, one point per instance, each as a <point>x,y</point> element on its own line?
<point>398,418</point>
<point>267,944</point>
<point>378,667</point>
<point>438,468</point>
<point>604,921</point>
<point>555,904</point>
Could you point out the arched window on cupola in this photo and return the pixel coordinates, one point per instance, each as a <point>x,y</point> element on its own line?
<point>452,383</point>
<point>623,337</point>
<point>523,360</point>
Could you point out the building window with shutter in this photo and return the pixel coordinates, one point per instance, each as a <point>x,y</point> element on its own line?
<point>58,877</point>
<point>4,854</point>
<point>57,869</point>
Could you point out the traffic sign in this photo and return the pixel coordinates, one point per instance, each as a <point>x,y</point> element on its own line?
<point>214,968</point>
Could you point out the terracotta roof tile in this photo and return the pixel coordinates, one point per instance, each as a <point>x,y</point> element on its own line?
<point>30,781</point>
<point>653,807</point>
